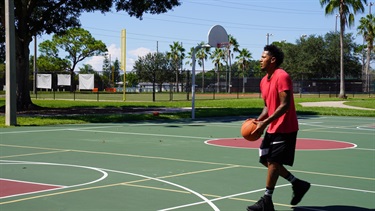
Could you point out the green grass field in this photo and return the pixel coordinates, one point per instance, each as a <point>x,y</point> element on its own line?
<point>204,108</point>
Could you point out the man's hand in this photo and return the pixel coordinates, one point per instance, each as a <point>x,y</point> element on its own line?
<point>260,127</point>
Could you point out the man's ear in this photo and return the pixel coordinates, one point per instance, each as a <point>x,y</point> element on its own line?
<point>273,59</point>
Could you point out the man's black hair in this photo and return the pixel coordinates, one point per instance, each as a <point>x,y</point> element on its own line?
<point>276,52</point>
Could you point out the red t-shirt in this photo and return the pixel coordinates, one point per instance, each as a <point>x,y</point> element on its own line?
<point>270,88</point>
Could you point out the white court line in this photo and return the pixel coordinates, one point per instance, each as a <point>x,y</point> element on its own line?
<point>205,200</point>
<point>364,128</point>
<point>142,134</point>
<point>53,130</point>
<point>220,198</point>
<point>259,190</point>
<point>7,162</point>
<point>343,188</point>
<point>366,149</point>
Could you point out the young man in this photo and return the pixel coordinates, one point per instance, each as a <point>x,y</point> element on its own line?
<point>279,114</point>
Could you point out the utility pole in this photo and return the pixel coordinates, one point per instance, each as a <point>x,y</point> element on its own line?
<point>268,38</point>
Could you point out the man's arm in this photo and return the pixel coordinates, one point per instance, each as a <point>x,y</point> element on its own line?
<point>264,120</point>
<point>264,113</point>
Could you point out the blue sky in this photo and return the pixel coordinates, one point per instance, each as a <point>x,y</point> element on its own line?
<point>247,20</point>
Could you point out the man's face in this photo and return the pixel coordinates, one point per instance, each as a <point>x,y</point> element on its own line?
<point>266,61</point>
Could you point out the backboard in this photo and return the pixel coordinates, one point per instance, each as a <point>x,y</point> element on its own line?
<point>217,36</point>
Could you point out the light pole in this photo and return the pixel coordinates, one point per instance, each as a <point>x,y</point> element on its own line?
<point>193,78</point>
<point>268,37</point>
<point>337,15</point>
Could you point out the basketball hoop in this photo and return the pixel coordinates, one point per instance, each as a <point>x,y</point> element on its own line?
<point>218,37</point>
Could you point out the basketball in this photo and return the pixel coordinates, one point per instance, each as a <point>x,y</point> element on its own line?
<point>247,128</point>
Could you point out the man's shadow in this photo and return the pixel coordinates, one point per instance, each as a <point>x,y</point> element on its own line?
<point>331,208</point>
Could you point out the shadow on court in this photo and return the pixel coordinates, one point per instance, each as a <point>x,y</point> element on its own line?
<point>332,208</point>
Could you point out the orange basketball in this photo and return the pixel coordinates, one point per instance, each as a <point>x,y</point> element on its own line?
<point>247,128</point>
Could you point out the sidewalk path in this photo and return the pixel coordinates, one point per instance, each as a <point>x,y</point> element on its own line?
<point>336,104</point>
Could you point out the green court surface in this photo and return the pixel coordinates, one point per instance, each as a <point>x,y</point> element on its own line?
<point>181,165</point>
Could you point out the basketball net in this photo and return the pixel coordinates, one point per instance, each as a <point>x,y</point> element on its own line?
<point>222,45</point>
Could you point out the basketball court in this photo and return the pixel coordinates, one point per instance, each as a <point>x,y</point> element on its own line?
<point>203,164</point>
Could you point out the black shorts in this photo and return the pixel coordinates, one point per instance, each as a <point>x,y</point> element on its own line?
<point>279,148</point>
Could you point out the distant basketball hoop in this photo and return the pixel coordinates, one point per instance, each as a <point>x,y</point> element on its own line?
<point>218,37</point>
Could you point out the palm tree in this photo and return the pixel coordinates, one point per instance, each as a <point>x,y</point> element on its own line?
<point>217,56</point>
<point>367,29</point>
<point>244,59</point>
<point>176,55</point>
<point>231,48</point>
<point>202,56</point>
<point>346,18</point>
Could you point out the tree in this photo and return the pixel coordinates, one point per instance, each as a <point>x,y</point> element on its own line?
<point>79,45</point>
<point>367,30</point>
<point>316,56</point>
<point>116,77</point>
<point>35,17</point>
<point>131,79</point>
<point>202,56</point>
<point>155,68</point>
<point>231,48</point>
<point>107,71</point>
<point>243,61</point>
<point>49,60</point>
<point>217,56</point>
<point>176,54</point>
<point>346,18</point>
<point>86,69</point>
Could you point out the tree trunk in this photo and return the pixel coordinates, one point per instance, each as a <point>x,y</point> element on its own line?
<point>218,79</point>
<point>202,77</point>
<point>177,88</point>
<point>243,78</point>
<point>230,73</point>
<point>342,75</point>
<point>22,58</point>
<point>367,85</point>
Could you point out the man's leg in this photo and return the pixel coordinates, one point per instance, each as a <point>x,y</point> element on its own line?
<point>265,202</point>
<point>299,187</point>
<point>272,176</point>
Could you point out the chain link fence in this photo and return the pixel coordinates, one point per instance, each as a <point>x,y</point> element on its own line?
<point>208,86</point>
